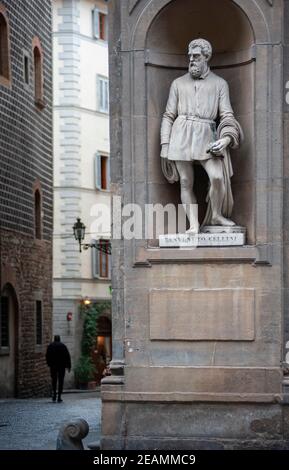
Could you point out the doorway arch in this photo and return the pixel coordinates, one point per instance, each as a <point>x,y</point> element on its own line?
<point>8,341</point>
<point>102,354</point>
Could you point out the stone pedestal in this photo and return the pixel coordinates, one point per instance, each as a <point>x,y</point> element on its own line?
<point>198,333</point>
<point>209,236</point>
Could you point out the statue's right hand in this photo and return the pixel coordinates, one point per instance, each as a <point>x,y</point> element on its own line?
<point>165,150</point>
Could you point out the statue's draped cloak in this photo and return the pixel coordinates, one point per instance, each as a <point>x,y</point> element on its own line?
<point>228,127</point>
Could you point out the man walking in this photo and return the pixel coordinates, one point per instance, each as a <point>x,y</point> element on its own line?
<point>58,359</point>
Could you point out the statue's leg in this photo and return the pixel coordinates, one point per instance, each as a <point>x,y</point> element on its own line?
<point>186,172</point>
<point>214,169</point>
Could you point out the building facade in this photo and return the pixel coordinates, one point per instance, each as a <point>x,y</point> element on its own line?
<point>200,334</point>
<point>81,163</point>
<point>26,213</point>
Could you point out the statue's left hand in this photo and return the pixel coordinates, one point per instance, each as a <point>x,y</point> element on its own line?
<point>217,147</point>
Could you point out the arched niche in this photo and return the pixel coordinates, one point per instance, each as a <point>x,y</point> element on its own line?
<point>230,32</point>
<point>149,10</point>
<point>223,23</point>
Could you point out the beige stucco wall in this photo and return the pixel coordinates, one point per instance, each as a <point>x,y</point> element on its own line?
<point>80,131</point>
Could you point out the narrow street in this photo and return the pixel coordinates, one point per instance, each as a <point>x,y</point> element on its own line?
<point>33,424</point>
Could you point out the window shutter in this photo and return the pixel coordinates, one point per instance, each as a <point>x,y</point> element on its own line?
<point>106,97</point>
<point>106,27</point>
<point>102,94</point>
<point>99,94</point>
<point>95,261</point>
<point>108,174</point>
<point>96,25</point>
<point>97,171</point>
<point>38,322</point>
<point>109,266</point>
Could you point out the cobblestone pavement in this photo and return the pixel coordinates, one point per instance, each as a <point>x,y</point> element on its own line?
<point>34,423</point>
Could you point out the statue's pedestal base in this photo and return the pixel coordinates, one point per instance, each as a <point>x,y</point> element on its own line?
<point>213,235</point>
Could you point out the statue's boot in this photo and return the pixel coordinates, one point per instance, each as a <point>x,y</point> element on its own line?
<point>194,228</point>
<point>220,220</point>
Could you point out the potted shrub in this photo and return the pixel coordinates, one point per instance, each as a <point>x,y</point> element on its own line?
<point>84,371</point>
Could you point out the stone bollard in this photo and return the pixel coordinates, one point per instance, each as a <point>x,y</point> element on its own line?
<point>71,434</point>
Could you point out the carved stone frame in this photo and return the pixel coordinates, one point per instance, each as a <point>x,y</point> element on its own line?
<point>268,147</point>
<point>129,125</point>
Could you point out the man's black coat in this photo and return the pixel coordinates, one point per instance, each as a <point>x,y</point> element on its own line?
<point>57,356</point>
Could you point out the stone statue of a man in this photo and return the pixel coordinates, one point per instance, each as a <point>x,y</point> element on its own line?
<point>189,135</point>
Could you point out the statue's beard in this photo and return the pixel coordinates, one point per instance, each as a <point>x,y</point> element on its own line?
<point>196,71</point>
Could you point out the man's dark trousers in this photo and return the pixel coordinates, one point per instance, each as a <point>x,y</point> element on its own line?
<point>57,374</point>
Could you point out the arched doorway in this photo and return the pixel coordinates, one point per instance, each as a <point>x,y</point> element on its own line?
<point>8,342</point>
<point>103,348</point>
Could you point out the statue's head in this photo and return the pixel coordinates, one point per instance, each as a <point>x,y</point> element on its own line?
<point>200,52</point>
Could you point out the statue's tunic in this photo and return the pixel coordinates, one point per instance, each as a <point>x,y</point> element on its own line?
<point>189,123</point>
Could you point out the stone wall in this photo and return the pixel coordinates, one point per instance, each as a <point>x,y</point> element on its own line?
<point>26,165</point>
<point>286,175</point>
<point>26,131</point>
<point>198,367</point>
<point>27,266</point>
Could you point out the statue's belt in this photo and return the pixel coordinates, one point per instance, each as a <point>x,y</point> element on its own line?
<point>192,117</point>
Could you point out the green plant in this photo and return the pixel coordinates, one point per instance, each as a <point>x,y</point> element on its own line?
<point>90,326</point>
<point>84,369</point>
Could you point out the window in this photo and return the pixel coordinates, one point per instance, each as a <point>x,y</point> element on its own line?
<point>100,29</point>
<point>38,322</point>
<point>101,262</point>
<point>4,322</point>
<point>103,26</point>
<point>26,68</point>
<point>37,214</point>
<point>102,172</point>
<point>4,48</point>
<point>38,72</point>
<point>103,94</point>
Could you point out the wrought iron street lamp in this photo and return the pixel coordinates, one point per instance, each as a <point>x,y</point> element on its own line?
<point>79,234</point>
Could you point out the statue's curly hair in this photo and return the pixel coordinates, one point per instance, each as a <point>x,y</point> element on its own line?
<point>204,45</point>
